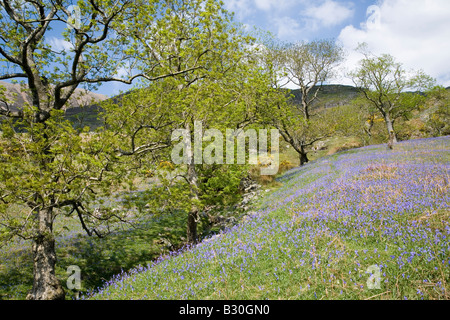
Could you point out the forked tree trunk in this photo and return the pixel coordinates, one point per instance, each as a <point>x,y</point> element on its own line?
<point>390,128</point>
<point>303,155</point>
<point>45,284</point>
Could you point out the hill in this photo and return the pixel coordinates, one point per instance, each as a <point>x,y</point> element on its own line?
<point>81,97</point>
<point>368,223</point>
<point>332,95</point>
<point>329,96</point>
<point>82,110</point>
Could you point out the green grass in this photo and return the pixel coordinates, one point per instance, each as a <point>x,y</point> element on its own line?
<point>315,237</point>
<point>98,258</point>
<point>321,235</point>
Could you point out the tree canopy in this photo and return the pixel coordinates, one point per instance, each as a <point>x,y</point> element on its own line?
<point>180,50</point>
<point>389,88</point>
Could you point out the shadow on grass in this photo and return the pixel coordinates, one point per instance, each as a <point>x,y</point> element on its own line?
<point>98,258</point>
<point>16,280</point>
<point>101,258</point>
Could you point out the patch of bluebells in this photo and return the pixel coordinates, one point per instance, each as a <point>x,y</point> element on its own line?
<point>379,201</point>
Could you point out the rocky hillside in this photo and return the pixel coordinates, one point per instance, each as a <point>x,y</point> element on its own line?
<point>16,93</point>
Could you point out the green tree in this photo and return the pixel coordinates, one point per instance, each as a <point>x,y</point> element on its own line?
<point>389,88</point>
<point>300,133</point>
<point>438,122</point>
<point>214,96</point>
<point>308,66</point>
<point>48,167</point>
<point>364,121</point>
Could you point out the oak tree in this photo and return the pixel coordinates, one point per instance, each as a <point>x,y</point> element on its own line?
<point>49,168</point>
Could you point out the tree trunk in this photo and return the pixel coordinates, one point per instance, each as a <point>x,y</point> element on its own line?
<point>368,129</point>
<point>305,110</point>
<point>303,155</point>
<point>305,105</point>
<point>390,128</point>
<point>45,284</point>
<point>192,221</point>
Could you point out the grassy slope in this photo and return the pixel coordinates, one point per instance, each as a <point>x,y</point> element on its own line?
<point>321,235</point>
<point>331,95</point>
<point>98,258</point>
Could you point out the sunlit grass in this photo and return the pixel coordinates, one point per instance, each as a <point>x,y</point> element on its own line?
<point>319,236</point>
<point>371,224</point>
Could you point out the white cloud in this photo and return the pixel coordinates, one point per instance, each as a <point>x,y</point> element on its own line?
<point>298,19</point>
<point>330,13</point>
<point>123,72</point>
<point>241,8</point>
<point>415,32</point>
<point>245,8</point>
<point>59,44</point>
<point>275,5</point>
<point>264,5</point>
<point>287,28</point>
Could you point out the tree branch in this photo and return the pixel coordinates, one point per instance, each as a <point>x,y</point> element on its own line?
<point>13,75</point>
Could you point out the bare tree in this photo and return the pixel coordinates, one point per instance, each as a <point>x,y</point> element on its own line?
<point>307,65</point>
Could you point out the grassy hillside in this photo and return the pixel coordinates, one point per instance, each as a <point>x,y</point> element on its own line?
<point>368,223</point>
<point>288,209</point>
<point>331,95</point>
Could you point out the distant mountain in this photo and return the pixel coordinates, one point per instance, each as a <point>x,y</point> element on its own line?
<point>80,97</point>
<point>89,115</point>
<point>82,108</point>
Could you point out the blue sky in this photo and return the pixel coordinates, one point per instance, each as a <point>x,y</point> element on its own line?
<point>296,20</point>
<point>415,32</point>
